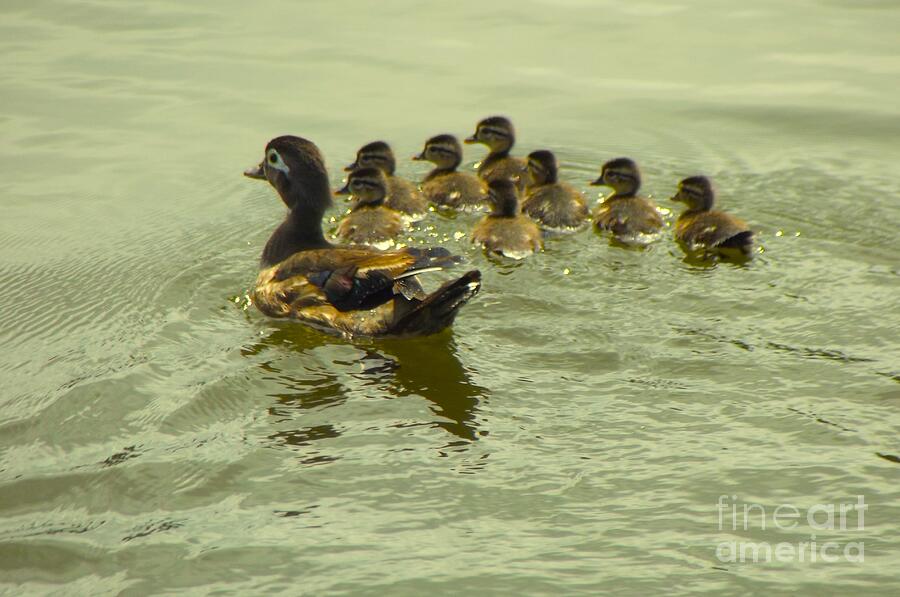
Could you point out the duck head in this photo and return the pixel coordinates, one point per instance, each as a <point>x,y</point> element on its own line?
<point>377,154</point>
<point>496,132</point>
<point>444,151</point>
<point>697,192</point>
<point>503,196</point>
<point>295,167</point>
<point>622,174</point>
<point>542,167</point>
<point>367,185</point>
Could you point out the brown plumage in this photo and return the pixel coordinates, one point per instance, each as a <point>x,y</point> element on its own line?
<point>358,291</point>
<point>498,134</point>
<point>701,228</point>
<point>349,290</point>
<point>402,195</point>
<point>624,213</point>
<point>505,231</point>
<point>370,222</point>
<point>445,185</point>
<point>553,204</point>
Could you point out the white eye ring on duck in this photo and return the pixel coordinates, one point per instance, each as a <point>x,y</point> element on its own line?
<point>273,160</point>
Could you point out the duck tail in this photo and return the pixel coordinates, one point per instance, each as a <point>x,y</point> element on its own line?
<point>438,310</point>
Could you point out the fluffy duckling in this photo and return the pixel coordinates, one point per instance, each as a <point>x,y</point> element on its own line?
<point>553,204</point>
<point>370,221</point>
<point>402,194</point>
<point>505,231</point>
<point>700,227</point>
<point>629,217</point>
<point>498,134</point>
<point>348,290</point>
<point>445,186</point>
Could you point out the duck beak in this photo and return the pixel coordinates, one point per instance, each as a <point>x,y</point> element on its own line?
<point>419,157</point>
<point>256,172</point>
<point>598,183</point>
<point>351,167</point>
<point>344,190</point>
<point>470,140</point>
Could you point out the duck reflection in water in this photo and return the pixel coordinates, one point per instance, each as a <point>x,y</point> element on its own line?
<point>428,367</point>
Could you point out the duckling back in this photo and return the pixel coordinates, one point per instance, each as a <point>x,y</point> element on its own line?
<point>516,237</point>
<point>504,168</point>
<point>457,190</point>
<point>713,230</point>
<point>403,196</point>
<point>628,217</point>
<point>556,206</point>
<point>376,226</point>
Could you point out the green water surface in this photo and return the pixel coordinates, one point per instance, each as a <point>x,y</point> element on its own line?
<point>576,430</point>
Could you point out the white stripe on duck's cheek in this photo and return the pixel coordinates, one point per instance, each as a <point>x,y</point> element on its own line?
<point>273,160</point>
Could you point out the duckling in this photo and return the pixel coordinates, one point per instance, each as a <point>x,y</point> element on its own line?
<point>498,134</point>
<point>700,227</point>
<point>554,204</point>
<point>505,231</point>
<point>629,217</point>
<point>445,185</point>
<point>402,194</point>
<point>354,291</point>
<point>370,221</point>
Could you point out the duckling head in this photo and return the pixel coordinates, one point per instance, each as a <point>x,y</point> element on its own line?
<point>496,132</point>
<point>377,154</point>
<point>503,196</point>
<point>622,174</point>
<point>367,185</point>
<point>295,167</point>
<point>697,192</point>
<point>444,151</point>
<point>542,167</point>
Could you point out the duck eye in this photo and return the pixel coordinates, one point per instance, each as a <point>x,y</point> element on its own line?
<point>273,158</point>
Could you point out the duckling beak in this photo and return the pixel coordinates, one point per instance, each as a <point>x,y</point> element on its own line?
<point>256,172</point>
<point>598,183</point>
<point>351,167</point>
<point>470,140</point>
<point>344,190</point>
<point>419,157</point>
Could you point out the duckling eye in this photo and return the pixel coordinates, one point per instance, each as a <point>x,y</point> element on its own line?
<point>273,158</point>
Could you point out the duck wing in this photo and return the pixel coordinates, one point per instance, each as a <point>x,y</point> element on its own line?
<point>713,229</point>
<point>345,279</point>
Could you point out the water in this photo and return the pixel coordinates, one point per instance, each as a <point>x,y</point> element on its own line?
<point>574,432</point>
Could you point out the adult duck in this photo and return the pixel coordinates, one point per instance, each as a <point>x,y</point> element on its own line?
<point>353,291</point>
